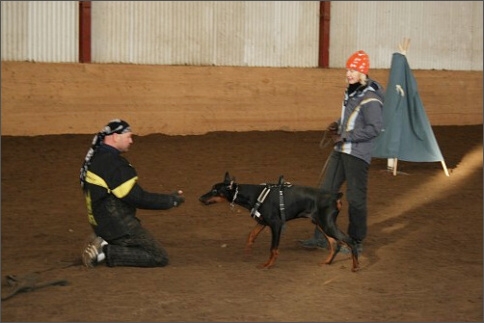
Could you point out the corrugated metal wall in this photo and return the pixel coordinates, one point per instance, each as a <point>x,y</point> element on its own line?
<point>444,34</point>
<point>40,31</point>
<point>222,33</point>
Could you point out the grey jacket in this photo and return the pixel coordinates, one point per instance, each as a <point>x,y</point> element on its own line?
<point>361,120</point>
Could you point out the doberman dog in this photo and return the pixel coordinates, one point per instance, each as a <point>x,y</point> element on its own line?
<point>274,204</point>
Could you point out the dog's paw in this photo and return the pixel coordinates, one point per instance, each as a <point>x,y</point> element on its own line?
<point>265,266</point>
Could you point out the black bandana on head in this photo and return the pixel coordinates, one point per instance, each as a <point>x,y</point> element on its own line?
<point>114,126</point>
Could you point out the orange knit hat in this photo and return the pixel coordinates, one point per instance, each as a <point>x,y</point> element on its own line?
<point>359,61</point>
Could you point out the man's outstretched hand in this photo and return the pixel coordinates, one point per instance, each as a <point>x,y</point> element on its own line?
<point>178,198</point>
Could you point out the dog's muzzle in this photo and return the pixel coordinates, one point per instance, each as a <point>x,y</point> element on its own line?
<point>207,199</point>
<point>210,198</point>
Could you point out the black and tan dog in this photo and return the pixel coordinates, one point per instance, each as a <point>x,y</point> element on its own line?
<point>274,204</point>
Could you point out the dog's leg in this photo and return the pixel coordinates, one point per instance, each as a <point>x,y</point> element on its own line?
<point>272,259</point>
<point>356,264</point>
<point>252,236</point>
<point>354,252</point>
<point>276,229</point>
<point>333,250</point>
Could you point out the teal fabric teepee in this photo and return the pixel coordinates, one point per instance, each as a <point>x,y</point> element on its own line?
<point>407,134</point>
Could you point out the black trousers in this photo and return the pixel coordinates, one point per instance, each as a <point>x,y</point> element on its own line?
<point>342,168</point>
<point>136,249</point>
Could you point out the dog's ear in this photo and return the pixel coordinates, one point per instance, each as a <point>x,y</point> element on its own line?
<point>227,177</point>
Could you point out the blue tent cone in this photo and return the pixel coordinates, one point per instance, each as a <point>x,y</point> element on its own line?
<point>407,134</point>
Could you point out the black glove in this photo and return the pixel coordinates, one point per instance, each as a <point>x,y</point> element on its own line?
<point>333,127</point>
<point>336,138</point>
<point>178,198</point>
<point>333,132</point>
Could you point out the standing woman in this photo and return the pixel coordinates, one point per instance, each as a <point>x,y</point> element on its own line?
<point>353,135</point>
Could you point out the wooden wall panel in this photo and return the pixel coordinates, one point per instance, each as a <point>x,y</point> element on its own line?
<point>44,98</point>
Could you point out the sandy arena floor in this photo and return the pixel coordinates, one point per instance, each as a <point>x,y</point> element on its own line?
<point>422,259</point>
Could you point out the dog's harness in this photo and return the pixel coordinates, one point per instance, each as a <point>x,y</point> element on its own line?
<point>235,194</point>
<point>265,192</point>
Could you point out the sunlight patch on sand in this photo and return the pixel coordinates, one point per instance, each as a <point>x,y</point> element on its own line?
<point>441,185</point>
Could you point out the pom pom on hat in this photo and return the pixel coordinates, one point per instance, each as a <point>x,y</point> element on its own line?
<point>359,61</point>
